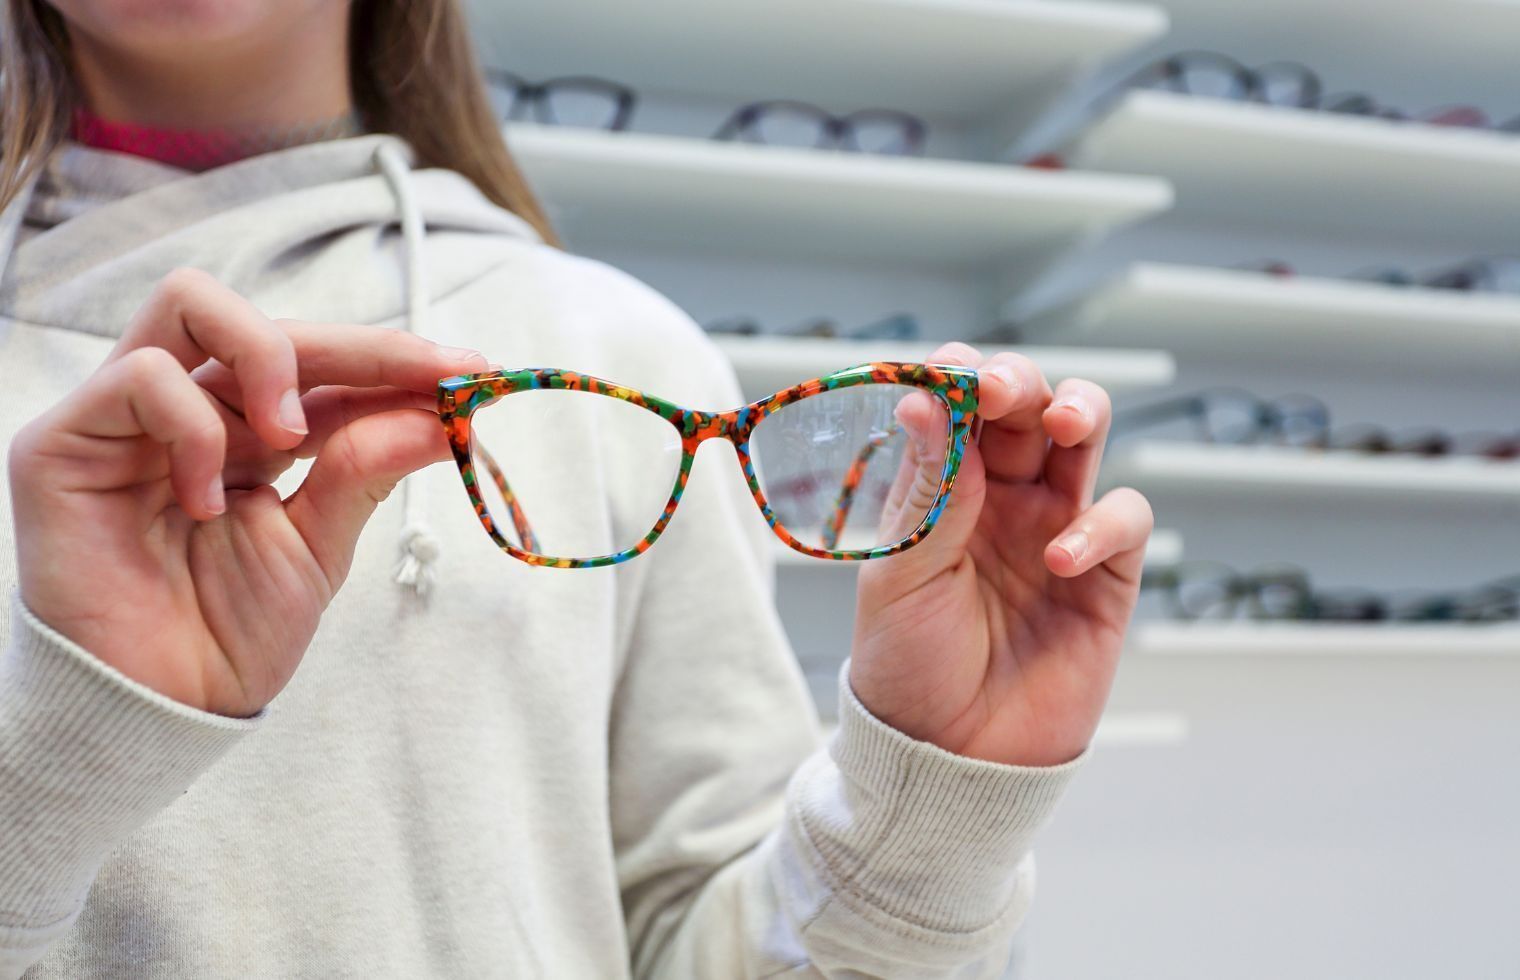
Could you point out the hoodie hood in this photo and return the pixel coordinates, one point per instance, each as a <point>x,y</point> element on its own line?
<point>103,228</point>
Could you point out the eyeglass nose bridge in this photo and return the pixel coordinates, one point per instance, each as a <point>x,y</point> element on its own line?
<point>733,426</point>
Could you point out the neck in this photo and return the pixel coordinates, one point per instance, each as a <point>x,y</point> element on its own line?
<point>293,79</point>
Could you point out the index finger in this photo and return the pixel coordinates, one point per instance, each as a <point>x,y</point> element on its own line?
<point>1011,394</point>
<point>374,357</point>
<point>356,356</point>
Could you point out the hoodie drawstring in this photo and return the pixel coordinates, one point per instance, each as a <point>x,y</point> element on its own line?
<point>419,545</point>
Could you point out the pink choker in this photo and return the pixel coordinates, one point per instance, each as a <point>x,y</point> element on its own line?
<point>198,149</point>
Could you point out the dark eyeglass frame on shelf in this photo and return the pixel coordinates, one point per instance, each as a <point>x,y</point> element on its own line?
<point>1284,592</point>
<point>834,131</point>
<point>534,97</point>
<point>1361,104</point>
<point>1233,590</point>
<point>1470,276</point>
<point>1296,420</point>
<point>1246,84</point>
<point>895,326</point>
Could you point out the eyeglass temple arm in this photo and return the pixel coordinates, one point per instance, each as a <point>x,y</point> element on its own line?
<point>851,483</point>
<point>519,518</point>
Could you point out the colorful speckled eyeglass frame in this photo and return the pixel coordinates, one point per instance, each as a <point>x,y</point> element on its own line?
<point>954,387</point>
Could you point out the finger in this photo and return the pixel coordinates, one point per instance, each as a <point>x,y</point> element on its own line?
<point>251,464</point>
<point>926,425</point>
<point>357,356</point>
<point>358,467</point>
<point>146,392</point>
<point>1012,394</point>
<point>1078,422</point>
<point>1113,532</point>
<point>195,318</point>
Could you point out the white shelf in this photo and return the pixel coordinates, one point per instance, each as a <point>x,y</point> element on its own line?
<point>747,199</point>
<point>1243,314</point>
<point>1314,171</point>
<point>1142,729</point>
<point>767,364</point>
<point>1165,549</point>
<point>1291,474</point>
<point>941,58</point>
<point>1324,639</point>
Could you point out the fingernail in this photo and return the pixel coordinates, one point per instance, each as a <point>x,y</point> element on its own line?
<point>461,353</point>
<point>292,417</point>
<point>1074,544</point>
<point>1008,376</point>
<point>1076,403</point>
<point>216,497</point>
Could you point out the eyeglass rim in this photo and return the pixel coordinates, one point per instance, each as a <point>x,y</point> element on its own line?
<point>954,386</point>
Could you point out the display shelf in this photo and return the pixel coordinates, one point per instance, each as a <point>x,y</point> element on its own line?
<point>748,199</point>
<point>1165,549</point>
<point>767,364</point>
<point>1142,729</point>
<point>1239,314</point>
<point>1289,475</point>
<point>1271,167</point>
<point>952,59</point>
<point>1324,639</point>
<point>1466,47</point>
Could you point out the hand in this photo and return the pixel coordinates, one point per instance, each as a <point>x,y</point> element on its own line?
<point>146,528</point>
<point>998,635</point>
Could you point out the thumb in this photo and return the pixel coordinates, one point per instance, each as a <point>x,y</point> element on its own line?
<point>357,468</point>
<point>926,424</point>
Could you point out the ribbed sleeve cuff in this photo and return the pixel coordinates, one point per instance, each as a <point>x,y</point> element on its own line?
<point>929,838</point>
<point>86,757</point>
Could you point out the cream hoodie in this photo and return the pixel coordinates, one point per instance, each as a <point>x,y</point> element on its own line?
<point>528,772</point>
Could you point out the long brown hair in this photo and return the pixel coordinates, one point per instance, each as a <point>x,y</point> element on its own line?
<point>412,70</point>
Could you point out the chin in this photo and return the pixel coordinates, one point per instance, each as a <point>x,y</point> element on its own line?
<point>148,24</point>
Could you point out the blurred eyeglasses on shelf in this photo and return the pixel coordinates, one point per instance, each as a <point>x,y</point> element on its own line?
<point>786,122</point>
<point>1235,417</point>
<point>1213,74</point>
<point>1495,274</point>
<point>897,326</point>
<point>572,100</point>
<point>1204,590</point>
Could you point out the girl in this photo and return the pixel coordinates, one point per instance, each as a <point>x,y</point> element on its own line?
<point>515,772</point>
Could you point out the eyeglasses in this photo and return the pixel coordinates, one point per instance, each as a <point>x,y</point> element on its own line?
<point>1203,590</point>
<point>1495,274</point>
<point>898,326</point>
<point>1232,416</point>
<point>1209,590</point>
<point>1459,116</point>
<point>1229,415</point>
<point>576,100</point>
<point>1286,83</point>
<point>783,122</point>
<point>570,471</point>
<point>1215,75</point>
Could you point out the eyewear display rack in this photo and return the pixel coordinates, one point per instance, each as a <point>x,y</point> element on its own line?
<point>1315,753</point>
<point>1247,314</point>
<point>1315,171</point>
<point>1267,779</point>
<point>979,72</point>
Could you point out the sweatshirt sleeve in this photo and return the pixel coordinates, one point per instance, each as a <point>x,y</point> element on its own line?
<point>747,848</point>
<point>86,757</point>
